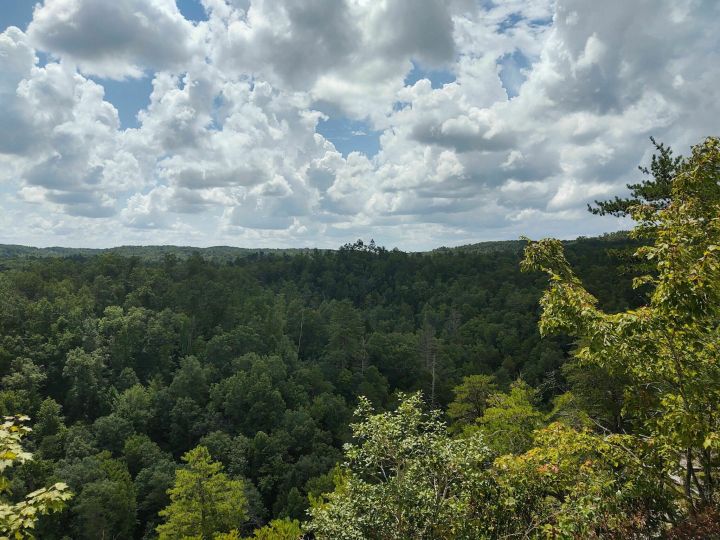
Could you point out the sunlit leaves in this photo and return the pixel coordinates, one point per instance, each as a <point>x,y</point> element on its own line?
<point>668,348</point>
<point>405,478</point>
<point>18,519</point>
<point>203,501</point>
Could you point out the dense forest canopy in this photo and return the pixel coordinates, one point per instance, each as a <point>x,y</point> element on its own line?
<point>183,396</point>
<point>126,364</point>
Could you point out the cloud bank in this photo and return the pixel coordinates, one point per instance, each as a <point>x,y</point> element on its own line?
<point>549,105</point>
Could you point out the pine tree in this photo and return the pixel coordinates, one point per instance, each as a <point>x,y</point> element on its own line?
<point>656,191</point>
<point>203,501</point>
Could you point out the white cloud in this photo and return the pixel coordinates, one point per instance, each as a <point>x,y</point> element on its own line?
<point>227,149</point>
<point>115,38</point>
<point>65,140</point>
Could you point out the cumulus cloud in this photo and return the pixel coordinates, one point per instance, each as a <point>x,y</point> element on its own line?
<point>546,105</point>
<point>18,59</point>
<point>63,138</point>
<point>293,41</point>
<point>113,39</point>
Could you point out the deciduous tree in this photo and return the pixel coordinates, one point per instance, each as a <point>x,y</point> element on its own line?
<point>18,519</point>
<point>668,348</point>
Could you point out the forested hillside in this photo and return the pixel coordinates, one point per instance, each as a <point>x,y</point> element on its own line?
<point>124,364</point>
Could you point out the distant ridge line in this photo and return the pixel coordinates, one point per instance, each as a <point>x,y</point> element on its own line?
<point>149,252</point>
<point>229,253</point>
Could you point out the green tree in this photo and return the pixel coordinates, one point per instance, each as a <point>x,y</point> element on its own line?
<point>186,423</point>
<point>87,393</point>
<point>667,348</point>
<point>345,330</point>
<point>151,485</point>
<point>599,393</point>
<point>203,501</point>
<point>105,503</point>
<point>140,452</point>
<point>510,419</point>
<point>25,378</point>
<point>251,400</point>
<point>49,430</point>
<point>471,397</point>
<point>396,356</point>
<point>111,431</point>
<point>135,406</point>
<point>18,519</point>
<point>190,380</point>
<point>404,479</point>
<point>574,483</point>
<point>278,529</point>
<point>106,509</point>
<point>20,389</point>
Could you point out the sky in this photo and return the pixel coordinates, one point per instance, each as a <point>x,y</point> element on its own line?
<point>289,123</point>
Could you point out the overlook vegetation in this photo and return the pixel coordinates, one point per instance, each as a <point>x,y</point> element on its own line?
<point>367,393</point>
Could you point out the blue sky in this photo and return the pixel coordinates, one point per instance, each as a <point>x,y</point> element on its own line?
<point>350,135</point>
<point>418,123</point>
<point>513,67</point>
<point>16,13</point>
<point>192,10</point>
<point>437,77</point>
<point>128,96</point>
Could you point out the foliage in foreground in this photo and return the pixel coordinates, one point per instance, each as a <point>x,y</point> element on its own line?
<point>407,478</point>
<point>17,519</point>
<point>404,479</point>
<point>667,349</point>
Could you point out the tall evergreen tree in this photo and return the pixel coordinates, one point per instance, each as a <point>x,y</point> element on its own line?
<point>203,501</point>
